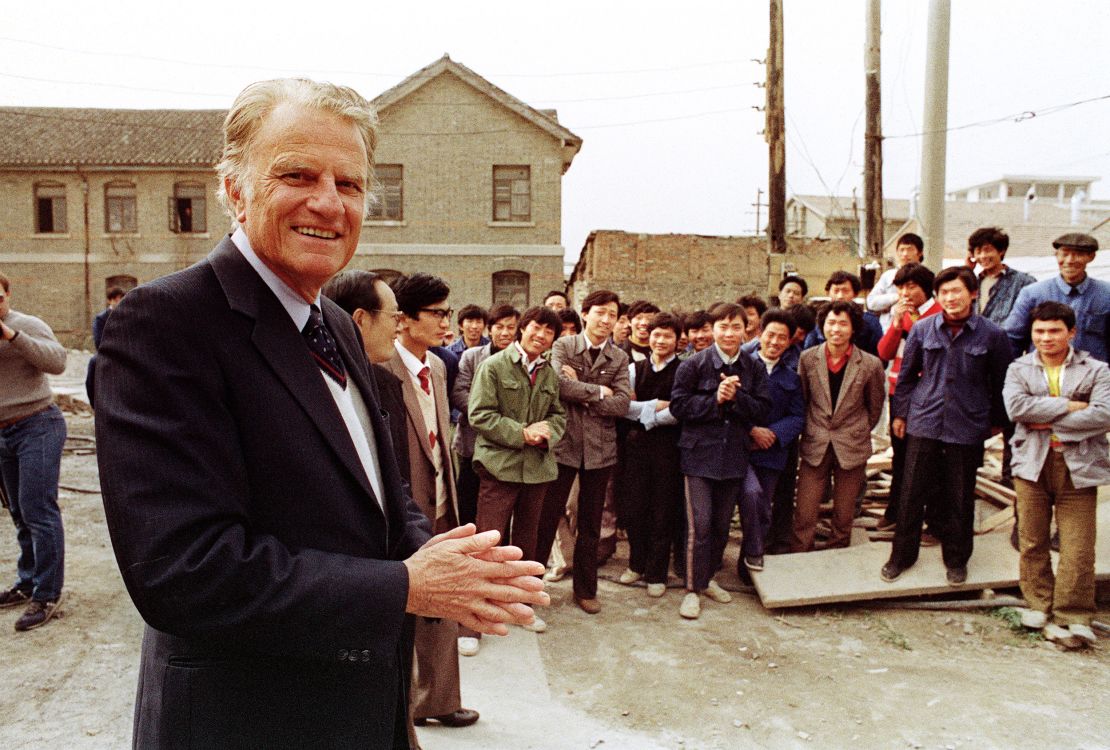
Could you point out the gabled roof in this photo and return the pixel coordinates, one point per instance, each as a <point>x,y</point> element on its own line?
<point>545,119</point>
<point>56,136</point>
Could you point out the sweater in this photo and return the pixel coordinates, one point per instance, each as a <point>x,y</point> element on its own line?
<point>24,364</point>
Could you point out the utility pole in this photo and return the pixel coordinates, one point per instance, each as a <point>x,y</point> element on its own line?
<point>776,137</point>
<point>934,143</point>
<point>873,138</point>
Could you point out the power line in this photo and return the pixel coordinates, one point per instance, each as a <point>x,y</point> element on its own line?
<point>194,63</point>
<point>1017,117</point>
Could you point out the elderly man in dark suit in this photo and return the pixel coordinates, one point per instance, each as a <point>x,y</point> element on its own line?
<point>250,488</point>
<point>594,388</point>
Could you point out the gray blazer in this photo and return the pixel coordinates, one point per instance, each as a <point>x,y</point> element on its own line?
<point>460,397</point>
<point>590,439</point>
<point>858,407</point>
<point>1083,432</point>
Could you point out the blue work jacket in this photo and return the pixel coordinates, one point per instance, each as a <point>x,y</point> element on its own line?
<point>950,389</point>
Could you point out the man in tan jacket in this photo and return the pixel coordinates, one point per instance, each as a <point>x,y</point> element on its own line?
<point>843,390</point>
<point>593,385</point>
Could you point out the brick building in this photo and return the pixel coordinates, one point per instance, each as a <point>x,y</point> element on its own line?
<point>92,198</point>
<point>687,271</point>
<point>470,188</point>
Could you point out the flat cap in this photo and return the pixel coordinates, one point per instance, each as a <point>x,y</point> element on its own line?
<point>1078,240</point>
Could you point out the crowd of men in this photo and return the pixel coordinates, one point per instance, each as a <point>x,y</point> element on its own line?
<point>308,479</point>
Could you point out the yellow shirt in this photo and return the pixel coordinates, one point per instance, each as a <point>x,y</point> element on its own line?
<point>1053,375</point>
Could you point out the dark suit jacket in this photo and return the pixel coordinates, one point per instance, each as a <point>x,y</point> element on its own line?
<point>244,526</point>
<point>716,438</point>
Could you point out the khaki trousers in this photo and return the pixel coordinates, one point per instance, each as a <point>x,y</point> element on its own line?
<point>1069,596</point>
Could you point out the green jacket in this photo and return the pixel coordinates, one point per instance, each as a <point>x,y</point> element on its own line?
<point>502,403</point>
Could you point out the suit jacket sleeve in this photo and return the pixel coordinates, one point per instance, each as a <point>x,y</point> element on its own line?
<point>460,393</point>
<point>201,554</point>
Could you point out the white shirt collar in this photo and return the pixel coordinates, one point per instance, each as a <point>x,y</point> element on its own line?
<point>666,362</point>
<point>725,358</point>
<point>529,364</point>
<point>293,303</point>
<point>590,344</point>
<point>412,364</point>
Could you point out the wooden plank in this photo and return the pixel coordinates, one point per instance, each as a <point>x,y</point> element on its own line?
<point>852,573</point>
<point>996,520</point>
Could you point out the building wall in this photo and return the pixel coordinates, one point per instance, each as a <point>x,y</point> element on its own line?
<point>61,277</point>
<point>448,179</point>
<point>691,271</point>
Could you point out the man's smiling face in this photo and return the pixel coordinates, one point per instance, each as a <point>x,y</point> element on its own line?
<point>302,202</point>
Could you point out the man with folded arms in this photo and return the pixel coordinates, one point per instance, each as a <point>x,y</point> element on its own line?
<point>1059,400</point>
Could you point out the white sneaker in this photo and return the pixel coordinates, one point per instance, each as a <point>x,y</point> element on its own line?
<point>1033,619</point>
<point>629,576</point>
<point>656,590</point>
<point>469,646</point>
<point>691,606</point>
<point>555,574</point>
<point>717,594</point>
<point>536,626</point>
<point>1083,633</point>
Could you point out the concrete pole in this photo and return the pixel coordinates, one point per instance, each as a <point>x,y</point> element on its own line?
<point>934,144</point>
<point>873,138</point>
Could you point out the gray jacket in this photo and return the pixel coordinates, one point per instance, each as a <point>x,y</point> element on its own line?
<point>460,396</point>
<point>590,439</point>
<point>1083,432</point>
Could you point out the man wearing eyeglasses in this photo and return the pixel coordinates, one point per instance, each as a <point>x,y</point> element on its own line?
<point>32,433</point>
<point>425,317</point>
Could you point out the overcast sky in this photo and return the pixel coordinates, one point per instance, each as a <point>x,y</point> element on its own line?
<point>661,92</point>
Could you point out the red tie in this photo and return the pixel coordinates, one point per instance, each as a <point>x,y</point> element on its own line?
<point>425,381</point>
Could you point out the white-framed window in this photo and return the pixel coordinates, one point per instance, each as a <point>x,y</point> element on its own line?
<point>512,193</point>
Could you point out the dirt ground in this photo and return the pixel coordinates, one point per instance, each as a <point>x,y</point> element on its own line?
<point>741,676</point>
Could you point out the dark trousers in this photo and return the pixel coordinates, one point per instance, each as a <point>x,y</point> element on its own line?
<point>467,487</point>
<point>897,470</point>
<point>941,476</point>
<point>780,534</point>
<point>503,503</point>
<point>709,504</point>
<point>591,501</point>
<point>653,493</point>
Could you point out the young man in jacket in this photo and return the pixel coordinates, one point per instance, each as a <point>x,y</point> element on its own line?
<point>947,402</point>
<point>1059,399</point>
<point>515,411</point>
<point>719,395</point>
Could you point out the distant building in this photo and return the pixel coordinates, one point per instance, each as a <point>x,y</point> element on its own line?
<point>469,186</point>
<point>688,271</point>
<point>1032,209</point>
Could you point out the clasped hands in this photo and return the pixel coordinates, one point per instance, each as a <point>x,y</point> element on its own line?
<point>726,391</point>
<point>464,576</point>
<point>537,433</point>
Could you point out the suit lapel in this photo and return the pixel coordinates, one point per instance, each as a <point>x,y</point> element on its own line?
<point>412,404</point>
<point>822,371</point>
<point>280,343</point>
<point>851,372</point>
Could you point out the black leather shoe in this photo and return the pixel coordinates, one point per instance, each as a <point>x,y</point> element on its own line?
<point>14,598</point>
<point>956,576</point>
<point>38,614</point>
<point>891,571</point>
<point>464,717</point>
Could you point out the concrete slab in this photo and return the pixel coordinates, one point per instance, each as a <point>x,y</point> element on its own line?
<point>507,684</point>
<point>852,573</point>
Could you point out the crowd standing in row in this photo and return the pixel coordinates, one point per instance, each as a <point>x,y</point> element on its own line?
<point>277,511</point>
